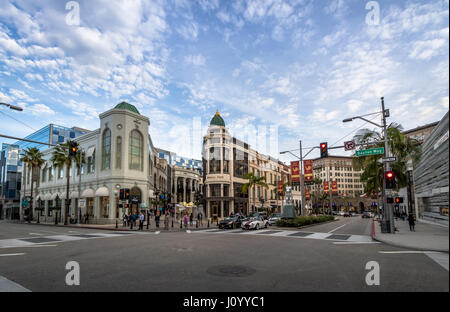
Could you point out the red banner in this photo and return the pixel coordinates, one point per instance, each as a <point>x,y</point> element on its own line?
<point>307,194</point>
<point>280,188</point>
<point>308,170</point>
<point>334,187</point>
<point>295,171</point>
<point>326,187</point>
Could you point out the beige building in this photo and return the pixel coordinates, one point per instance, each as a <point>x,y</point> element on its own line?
<point>226,160</point>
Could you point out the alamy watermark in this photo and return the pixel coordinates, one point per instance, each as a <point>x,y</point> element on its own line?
<point>73,276</point>
<point>373,17</point>
<point>73,17</point>
<point>373,276</point>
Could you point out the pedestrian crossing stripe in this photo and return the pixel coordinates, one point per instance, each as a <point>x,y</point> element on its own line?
<point>33,241</point>
<point>293,234</point>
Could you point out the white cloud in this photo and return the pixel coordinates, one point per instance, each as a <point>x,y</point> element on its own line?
<point>197,60</point>
<point>424,50</point>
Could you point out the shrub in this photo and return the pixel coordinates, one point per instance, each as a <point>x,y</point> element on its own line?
<point>302,221</point>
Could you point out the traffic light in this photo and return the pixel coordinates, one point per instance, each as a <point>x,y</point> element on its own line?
<point>399,200</point>
<point>125,206</point>
<point>389,200</point>
<point>390,179</point>
<point>122,194</point>
<point>73,148</point>
<point>323,150</point>
<point>127,194</point>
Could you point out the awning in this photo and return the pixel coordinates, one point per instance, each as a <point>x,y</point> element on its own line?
<point>40,197</point>
<point>102,192</point>
<point>88,193</point>
<point>63,195</point>
<point>47,196</point>
<point>74,194</point>
<point>90,151</point>
<point>54,195</point>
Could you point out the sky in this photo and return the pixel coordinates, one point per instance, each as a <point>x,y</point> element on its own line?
<point>288,69</point>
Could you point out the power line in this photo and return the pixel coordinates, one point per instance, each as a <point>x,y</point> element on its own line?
<point>352,132</point>
<point>18,120</point>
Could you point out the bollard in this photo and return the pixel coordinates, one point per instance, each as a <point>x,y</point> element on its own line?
<point>56,218</point>
<point>208,223</point>
<point>181,224</point>
<point>117,224</point>
<point>196,224</point>
<point>172,223</point>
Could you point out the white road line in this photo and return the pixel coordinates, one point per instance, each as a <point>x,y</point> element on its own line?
<point>10,255</point>
<point>337,228</point>
<point>439,257</point>
<point>35,234</point>
<point>408,252</point>
<point>9,286</point>
<point>354,243</point>
<point>37,246</point>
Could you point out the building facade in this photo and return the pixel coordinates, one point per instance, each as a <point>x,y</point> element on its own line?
<point>431,176</point>
<point>226,160</point>
<point>11,168</point>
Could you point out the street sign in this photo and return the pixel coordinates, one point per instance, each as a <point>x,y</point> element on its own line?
<point>389,159</point>
<point>349,145</point>
<point>369,152</point>
<point>82,203</point>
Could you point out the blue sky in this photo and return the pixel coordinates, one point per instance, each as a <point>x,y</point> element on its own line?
<point>297,66</point>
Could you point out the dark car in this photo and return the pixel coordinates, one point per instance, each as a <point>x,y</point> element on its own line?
<point>366,214</point>
<point>230,223</point>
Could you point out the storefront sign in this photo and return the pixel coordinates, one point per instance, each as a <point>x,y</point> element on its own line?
<point>308,170</point>
<point>295,170</point>
<point>82,203</point>
<point>307,194</point>
<point>280,188</point>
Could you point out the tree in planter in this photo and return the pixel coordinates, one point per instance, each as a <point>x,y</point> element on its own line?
<point>253,181</point>
<point>61,158</point>
<point>33,158</point>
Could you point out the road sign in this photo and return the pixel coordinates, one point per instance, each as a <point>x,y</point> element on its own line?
<point>349,145</point>
<point>82,203</point>
<point>389,159</point>
<point>369,152</point>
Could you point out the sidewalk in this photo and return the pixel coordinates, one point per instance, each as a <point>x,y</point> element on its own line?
<point>152,227</point>
<point>427,237</point>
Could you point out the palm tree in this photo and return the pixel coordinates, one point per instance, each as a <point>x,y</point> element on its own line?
<point>33,158</point>
<point>253,181</point>
<point>61,158</point>
<point>80,160</point>
<point>400,146</point>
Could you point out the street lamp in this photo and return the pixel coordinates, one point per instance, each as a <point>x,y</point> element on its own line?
<point>302,181</point>
<point>13,107</point>
<point>388,213</point>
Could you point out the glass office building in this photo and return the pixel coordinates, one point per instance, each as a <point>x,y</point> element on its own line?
<point>11,167</point>
<point>183,162</point>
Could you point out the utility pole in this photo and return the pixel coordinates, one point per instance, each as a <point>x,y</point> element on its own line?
<point>302,182</point>
<point>79,185</point>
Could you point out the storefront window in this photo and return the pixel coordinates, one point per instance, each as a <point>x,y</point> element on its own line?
<point>136,151</point>
<point>106,149</point>
<point>119,153</point>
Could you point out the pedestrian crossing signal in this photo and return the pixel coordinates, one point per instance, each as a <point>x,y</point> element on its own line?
<point>399,200</point>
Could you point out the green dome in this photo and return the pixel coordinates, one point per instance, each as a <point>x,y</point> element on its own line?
<point>125,105</point>
<point>217,120</point>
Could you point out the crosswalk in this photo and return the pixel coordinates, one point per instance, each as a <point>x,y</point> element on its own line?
<point>293,234</point>
<point>53,239</point>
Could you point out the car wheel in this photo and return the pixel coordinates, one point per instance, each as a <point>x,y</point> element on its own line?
<point>265,226</point>
<point>257,227</point>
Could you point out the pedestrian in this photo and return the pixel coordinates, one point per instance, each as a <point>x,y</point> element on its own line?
<point>200,218</point>
<point>191,219</point>
<point>411,220</point>
<point>87,218</point>
<point>166,222</point>
<point>186,220</point>
<point>124,220</point>
<point>141,221</point>
<point>133,220</point>
<point>157,218</point>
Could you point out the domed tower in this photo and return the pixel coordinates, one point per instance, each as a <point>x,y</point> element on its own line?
<point>218,169</point>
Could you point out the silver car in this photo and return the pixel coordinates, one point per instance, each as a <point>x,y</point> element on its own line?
<point>273,219</point>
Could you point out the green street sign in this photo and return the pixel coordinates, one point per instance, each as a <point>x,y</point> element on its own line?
<point>369,152</point>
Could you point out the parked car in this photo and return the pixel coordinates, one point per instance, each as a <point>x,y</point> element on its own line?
<point>273,218</point>
<point>230,222</point>
<point>367,214</point>
<point>261,214</point>
<point>347,214</point>
<point>254,223</point>
<point>341,213</point>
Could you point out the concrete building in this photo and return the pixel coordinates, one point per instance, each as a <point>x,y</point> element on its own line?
<point>431,176</point>
<point>226,160</point>
<point>11,167</point>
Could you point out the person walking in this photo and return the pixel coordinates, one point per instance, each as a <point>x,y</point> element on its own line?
<point>191,219</point>
<point>125,220</point>
<point>200,218</point>
<point>133,220</point>
<point>166,222</point>
<point>411,220</point>
<point>186,220</point>
<point>141,221</point>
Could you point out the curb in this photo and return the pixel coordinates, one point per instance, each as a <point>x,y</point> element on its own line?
<point>408,247</point>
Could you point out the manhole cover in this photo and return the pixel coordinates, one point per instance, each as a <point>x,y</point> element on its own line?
<point>231,270</point>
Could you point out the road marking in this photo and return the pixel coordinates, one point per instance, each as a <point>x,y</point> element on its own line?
<point>407,252</point>
<point>9,286</point>
<point>337,228</point>
<point>354,243</point>
<point>439,257</point>
<point>37,246</point>
<point>35,234</point>
<point>188,231</point>
<point>10,255</point>
<point>157,232</point>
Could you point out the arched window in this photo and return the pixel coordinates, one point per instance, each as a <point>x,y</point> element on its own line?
<point>106,149</point>
<point>119,152</point>
<point>136,151</point>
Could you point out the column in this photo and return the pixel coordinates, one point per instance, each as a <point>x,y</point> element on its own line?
<point>96,208</point>
<point>112,207</point>
<point>46,209</point>
<point>208,213</point>
<point>192,191</point>
<point>184,189</point>
<point>221,209</point>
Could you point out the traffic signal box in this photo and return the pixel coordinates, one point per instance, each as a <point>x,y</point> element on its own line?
<point>323,150</point>
<point>73,148</point>
<point>399,200</point>
<point>390,179</point>
<point>124,194</point>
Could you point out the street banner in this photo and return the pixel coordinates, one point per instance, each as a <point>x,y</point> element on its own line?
<point>280,188</point>
<point>307,194</point>
<point>308,170</point>
<point>334,187</point>
<point>295,171</point>
<point>326,187</point>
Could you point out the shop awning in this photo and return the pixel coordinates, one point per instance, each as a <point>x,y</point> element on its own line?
<point>47,196</point>
<point>74,194</point>
<point>102,192</point>
<point>88,193</point>
<point>63,195</point>
<point>90,151</point>
<point>40,197</point>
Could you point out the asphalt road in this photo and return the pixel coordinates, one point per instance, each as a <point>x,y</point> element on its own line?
<point>187,262</point>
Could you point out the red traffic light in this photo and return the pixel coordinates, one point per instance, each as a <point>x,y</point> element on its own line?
<point>397,200</point>
<point>389,174</point>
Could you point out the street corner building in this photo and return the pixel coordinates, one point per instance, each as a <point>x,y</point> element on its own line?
<point>226,160</point>
<point>118,155</point>
<point>431,175</point>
